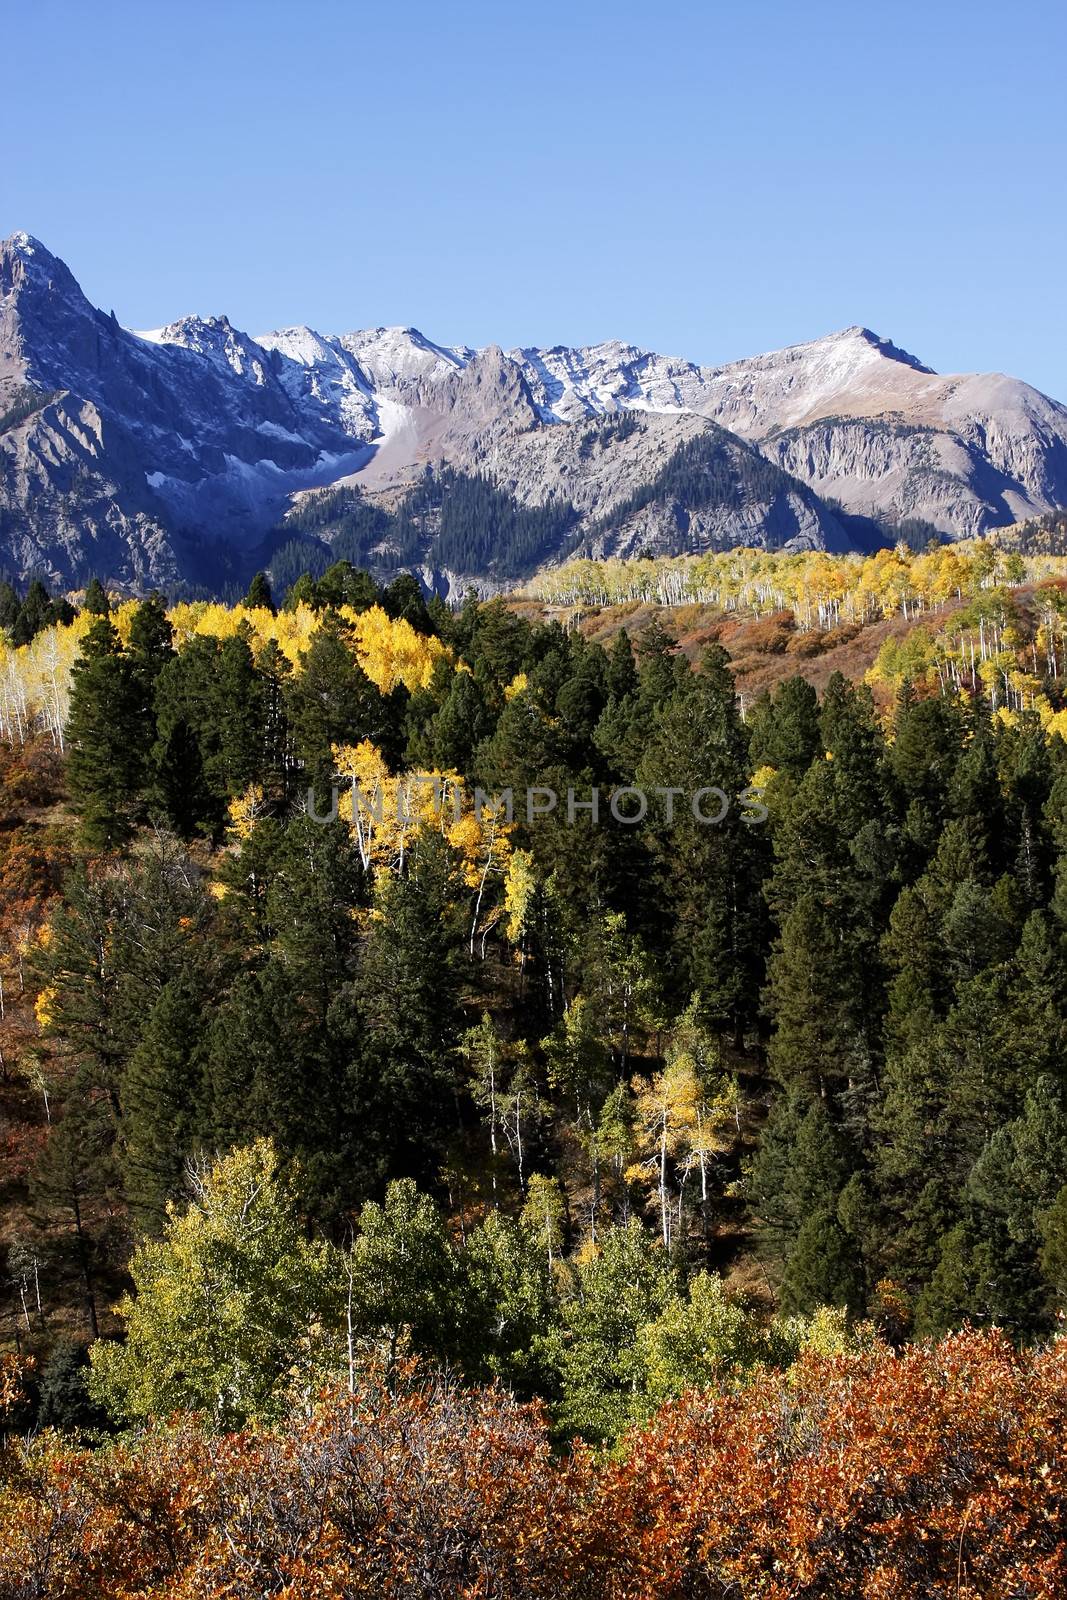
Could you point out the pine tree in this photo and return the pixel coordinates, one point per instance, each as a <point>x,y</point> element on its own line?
<point>822,1268</point>
<point>982,1277</point>
<point>622,670</point>
<point>1053,1227</point>
<point>36,612</point>
<point>259,596</point>
<point>150,648</point>
<point>461,724</point>
<point>331,700</point>
<point>74,1168</point>
<point>408,1004</point>
<point>785,732</point>
<point>276,757</point>
<point>919,992</point>
<point>9,606</point>
<point>102,763</point>
<point>236,750</point>
<point>830,892</point>
<point>818,1037</point>
<point>96,602</point>
<point>1024,1165</point>
<point>65,1403</point>
<point>926,750</point>
<point>161,1095</point>
<point>698,742</point>
<point>800,1167</point>
<point>183,697</point>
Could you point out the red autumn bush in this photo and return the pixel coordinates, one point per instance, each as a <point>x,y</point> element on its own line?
<point>938,1472</point>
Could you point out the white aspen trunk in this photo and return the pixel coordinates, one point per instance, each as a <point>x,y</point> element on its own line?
<point>664,1212</point>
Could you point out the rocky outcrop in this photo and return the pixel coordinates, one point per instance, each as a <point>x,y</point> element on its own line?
<point>150,446</point>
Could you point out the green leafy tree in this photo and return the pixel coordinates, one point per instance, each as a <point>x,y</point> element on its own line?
<point>621,1284</point>
<point>404,1275</point>
<point>226,1305</point>
<point>508,1305</point>
<point>705,1339</point>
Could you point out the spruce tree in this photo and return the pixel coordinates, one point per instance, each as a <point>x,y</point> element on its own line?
<point>259,596</point>
<point>161,1097</point>
<point>408,1007</point>
<point>815,1003</point>
<point>102,763</point>
<point>150,648</point>
<point>1053,1227</point>
<point>822,1268</point>
<point>276,759</point>
<point>9,606</point>
<point>330,700</point>
<point>96,602</point>
<point>800,1168</point>
<point>714,905</point>
<point>785,732</point>
<point>622,670</point>
<point>36,612</point>
<point>463,721</point>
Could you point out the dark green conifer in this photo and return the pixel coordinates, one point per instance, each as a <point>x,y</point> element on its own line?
<point>102,739</point>
<point>96,601</point>
<point>259,596</point>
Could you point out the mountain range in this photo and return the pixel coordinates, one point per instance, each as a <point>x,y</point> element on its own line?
<point>187,455</point>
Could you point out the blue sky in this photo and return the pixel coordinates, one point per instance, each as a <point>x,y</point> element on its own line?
<point>704,179</point>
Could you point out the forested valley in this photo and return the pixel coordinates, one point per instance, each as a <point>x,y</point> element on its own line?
<point>409,1193</point>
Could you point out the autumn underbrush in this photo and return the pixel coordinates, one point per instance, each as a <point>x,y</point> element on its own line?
<point>763,650</point>
<point>938,1471</point>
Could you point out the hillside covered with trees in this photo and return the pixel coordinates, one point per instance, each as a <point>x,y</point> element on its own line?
<point>409,1191</point>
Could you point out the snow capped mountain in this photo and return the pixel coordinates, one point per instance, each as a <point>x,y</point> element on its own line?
<point>401,357</point>
<point>134,453</point>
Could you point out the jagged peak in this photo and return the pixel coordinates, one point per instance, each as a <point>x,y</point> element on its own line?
<point>24,244</point>
<point>857,333</point>
<point>29,263</point>
<point>398,335</point>
<point>192,320</point>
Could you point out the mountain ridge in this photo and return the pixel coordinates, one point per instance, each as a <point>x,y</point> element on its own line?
<point>153,447</point>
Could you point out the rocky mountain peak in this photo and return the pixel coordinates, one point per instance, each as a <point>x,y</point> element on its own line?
<point>36,278</point>
<point>859,335</point>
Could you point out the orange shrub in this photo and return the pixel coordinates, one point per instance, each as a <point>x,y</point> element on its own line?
<point>939,1472</point>
<point>936,1474</point>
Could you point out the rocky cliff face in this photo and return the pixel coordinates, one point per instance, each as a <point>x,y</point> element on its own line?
<point>168,455</point>
<point>141,448</point>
